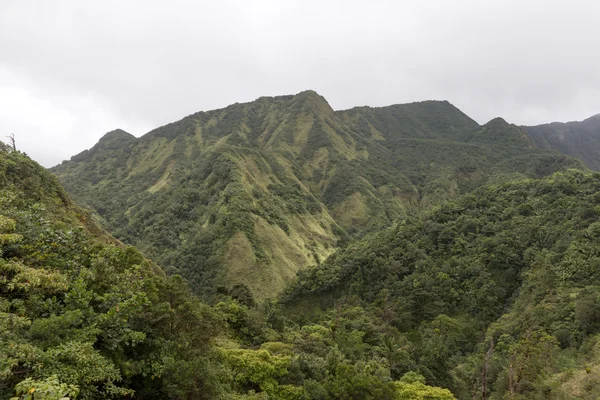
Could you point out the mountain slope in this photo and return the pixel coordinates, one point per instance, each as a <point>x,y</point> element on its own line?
<point>576,139</point>
<point>502,284</point>
<point>81,315</point>
<point>253,193</point>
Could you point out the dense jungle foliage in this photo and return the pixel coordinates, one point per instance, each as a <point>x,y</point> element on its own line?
<point>497,293</point>
<point>83,316</point>
<point>286,251</point>
<point>253,193</point>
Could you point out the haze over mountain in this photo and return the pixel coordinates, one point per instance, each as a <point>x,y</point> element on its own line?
<point>250,194</point>
<point>577,139</point>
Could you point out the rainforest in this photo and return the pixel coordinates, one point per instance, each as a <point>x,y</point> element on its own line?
<point>281,249</point>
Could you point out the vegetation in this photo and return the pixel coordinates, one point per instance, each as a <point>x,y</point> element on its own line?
<point>495,294</point>
<point>80,314</point>
<point>577,139</point>
<point>395,253</point>
<point>83,316</point>
<point>253,193</point>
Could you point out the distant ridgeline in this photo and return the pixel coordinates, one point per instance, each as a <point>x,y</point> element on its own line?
<point>577,139</point>
<point>241,199</point>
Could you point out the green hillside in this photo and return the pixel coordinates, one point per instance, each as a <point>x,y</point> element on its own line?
<point>85,317</point>
<point>496,294</point>
<point>249,195</point>
<point>577,139</point>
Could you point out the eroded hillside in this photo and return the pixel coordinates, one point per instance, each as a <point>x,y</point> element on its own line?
<point>253,193</point>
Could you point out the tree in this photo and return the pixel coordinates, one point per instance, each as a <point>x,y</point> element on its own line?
<point>48,389</point>
<point>256,369</point>
<point>412,387</point>
<point>526,359</point>
<point>12,141</point>
<point>7,225</point>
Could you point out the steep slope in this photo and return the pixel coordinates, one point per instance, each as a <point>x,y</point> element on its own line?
<point>251,194</point>
<point>501,285</point>
<point>576,139</point>
<point>208,190</point>
<point>83,316</point>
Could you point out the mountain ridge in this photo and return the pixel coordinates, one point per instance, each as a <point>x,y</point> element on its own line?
<point>255,192</point>
<point>402,252</point>
<point>579,139</point>
<point>317,98</point>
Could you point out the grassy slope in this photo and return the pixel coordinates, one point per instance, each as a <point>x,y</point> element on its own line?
<point>255,192</point>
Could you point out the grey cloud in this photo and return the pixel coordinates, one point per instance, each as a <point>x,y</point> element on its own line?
<point>143,64</point>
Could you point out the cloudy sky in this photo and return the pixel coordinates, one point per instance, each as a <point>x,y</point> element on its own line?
<point>71,70</point>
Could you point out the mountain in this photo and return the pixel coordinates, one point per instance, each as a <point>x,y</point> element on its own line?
<point>244,197</point>
<point>576,139</point>
<point>492,294</point>
<point>84,317</point>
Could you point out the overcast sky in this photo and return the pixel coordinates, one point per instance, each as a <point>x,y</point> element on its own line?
<point>71,70</point>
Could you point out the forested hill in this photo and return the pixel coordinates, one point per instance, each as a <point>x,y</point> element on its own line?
<point>244,197</point>
<point>577,139</point>
<point>494,294</point>
<point>84,317</point>
<point>497,293</point>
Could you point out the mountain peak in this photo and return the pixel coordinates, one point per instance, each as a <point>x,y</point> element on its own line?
<point>116,135</point>
<point>594,118</point>
<point>311,99</point>
<point>498,131</point>
<point>308,93</point>
<point>112,142</point>
<point>498,121</point>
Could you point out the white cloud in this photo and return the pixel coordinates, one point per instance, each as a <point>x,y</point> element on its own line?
<point>51,127</point>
